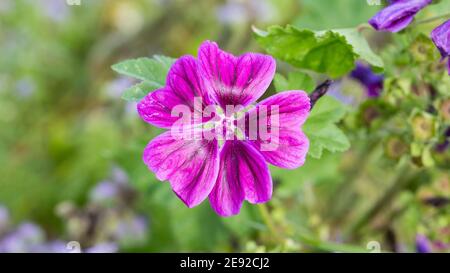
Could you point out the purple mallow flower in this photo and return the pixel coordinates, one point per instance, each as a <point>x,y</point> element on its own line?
<point>232,170</point>
<point>441,38</point>
<point>398,15</point>
<point>373,82</point>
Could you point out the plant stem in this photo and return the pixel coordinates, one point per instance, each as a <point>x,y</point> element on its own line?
<point>264,212</point>
<point>330,246</point>
<point>429,20</point>
<point>308,240</point>
<point>363,26</point>
<point>343,191</point>
<point>399,183</point>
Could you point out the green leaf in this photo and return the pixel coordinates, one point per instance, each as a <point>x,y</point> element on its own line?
<point>139,91</point>
<point>332,52</point>
<point>327,52</point>
<point>322,130</point>
<point>295,81</point>
<point>152,72</point>
<point>361,47</point>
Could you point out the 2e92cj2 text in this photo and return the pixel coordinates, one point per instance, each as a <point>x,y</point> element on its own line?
<point>234,262</point>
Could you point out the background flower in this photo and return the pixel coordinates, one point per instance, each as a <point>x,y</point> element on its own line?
<point>441,38</point>
<point>371,81</point>
<point>398,15</point>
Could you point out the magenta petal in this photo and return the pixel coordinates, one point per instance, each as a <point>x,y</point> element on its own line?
<point>243,175</point>
<point>191,166</point>
<point>283,144</point>
<point>182,89</point>
<point>184,80</point>
<point>293,107</point>
<point>291,149</point>
<point>231,80</point>
<point>156,107</point>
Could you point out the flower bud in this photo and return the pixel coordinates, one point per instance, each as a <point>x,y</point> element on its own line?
<point>423,125</point>
<point>398,15</point>
<point>422,49</point>
<point>395,148</point>
<point>441,38</point>
<point>444,109</point>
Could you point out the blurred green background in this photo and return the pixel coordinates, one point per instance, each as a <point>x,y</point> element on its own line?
<point>65,131</point>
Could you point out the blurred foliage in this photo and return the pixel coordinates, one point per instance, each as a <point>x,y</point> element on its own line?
<point>65,128</point>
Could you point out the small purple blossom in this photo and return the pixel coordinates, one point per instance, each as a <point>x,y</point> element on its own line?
<point>441,38</point>
<point>26,237</point>
<point>56,246</point>
<point>132,231</point>
<point>105,191</point>
<point>25,87</point>
<point>373,82</point>
<point>398,15</point>
<point>233,170</point>
<point>423,245</point>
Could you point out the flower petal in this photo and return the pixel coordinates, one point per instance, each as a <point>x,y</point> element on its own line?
<point>293,107</point>
<point>182,89</point>
<point>282,144</point>
<point>190,165</point>
<point>243,175</point>
<point>441,38</point>
<point>291,149</point>
<point>398,15</point>
<point>156,107</point>
<point>232,80</point>
<point>184,80</point>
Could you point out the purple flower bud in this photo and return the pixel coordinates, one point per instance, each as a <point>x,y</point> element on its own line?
<point>443,146</point>
<point>398,15</point>
<point>373,82</point>
<point>441,38</point>
<point>423,245</point>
